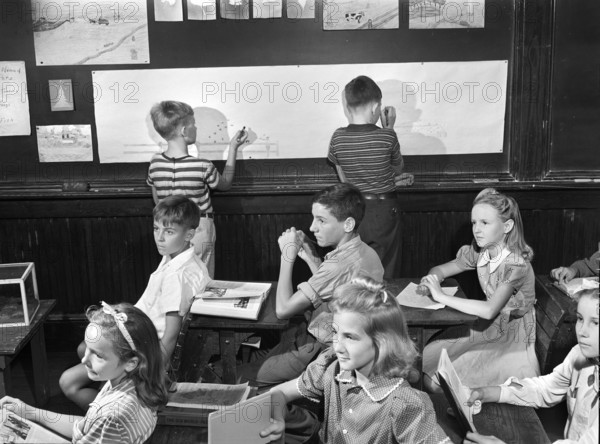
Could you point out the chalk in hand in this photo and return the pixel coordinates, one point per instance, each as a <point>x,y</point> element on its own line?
<point>242,133</point>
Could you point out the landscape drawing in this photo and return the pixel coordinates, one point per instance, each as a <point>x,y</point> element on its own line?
<point>440,14</point>
<point>65,143</point>
<point>360,14</point>
<point>90,32</point>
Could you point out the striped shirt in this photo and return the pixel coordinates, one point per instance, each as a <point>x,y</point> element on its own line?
<point>366,155</point>
<point>188,176</point>
<point>117,415</point>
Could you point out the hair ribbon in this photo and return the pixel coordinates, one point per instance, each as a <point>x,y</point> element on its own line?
<point>120,319</point>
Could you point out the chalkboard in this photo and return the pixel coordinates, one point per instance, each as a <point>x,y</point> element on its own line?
<point>576,90</point>
<point>224,43</point>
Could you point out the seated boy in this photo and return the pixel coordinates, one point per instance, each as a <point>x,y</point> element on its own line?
<point>179,277</point>
<point>337,212</point>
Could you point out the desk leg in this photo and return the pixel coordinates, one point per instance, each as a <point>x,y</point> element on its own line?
<point>228,352</point>
<point>4,374</point>
<point>39,359</point>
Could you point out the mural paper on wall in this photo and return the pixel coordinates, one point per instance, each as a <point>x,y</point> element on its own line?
<point>442,107</point>
<point>14,102</point>
<point>300,9</point>
<point>266,9</point>
<point>90,32</point>
<point>360,14</point>
<point>168,11</point>
<point>202,9</point>
<point>427,14</point>
<point>235,9</point>
<point>65,143</point>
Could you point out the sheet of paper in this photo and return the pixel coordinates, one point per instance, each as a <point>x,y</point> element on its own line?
<point>14,102</point>
<point>264,9</point>
<point>409,297</point>
<point>202,9</point>
<point>168,11</point>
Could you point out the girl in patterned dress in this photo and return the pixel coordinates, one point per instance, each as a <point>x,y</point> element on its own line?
<point>361,379</point>
<point>501,343</point>
<point>122,348</point>
<point>575,380</point>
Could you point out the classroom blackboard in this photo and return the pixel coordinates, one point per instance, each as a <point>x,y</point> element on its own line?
<point>224,43</point>
<point>576,90</point>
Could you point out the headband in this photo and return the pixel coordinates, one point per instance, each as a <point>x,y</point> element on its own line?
<point>120,319</point>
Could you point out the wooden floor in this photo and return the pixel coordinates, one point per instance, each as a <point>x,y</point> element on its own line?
<point>552,419</point>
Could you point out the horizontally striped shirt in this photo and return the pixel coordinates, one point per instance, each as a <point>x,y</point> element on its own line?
<point>366,155</point>
<point>187,176</point>
<point>116,416</point>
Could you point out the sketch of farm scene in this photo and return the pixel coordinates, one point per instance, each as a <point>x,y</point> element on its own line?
<point>65,143</point>
<point>90,32</point>
<point>427,14</point>
<point>360,14</point>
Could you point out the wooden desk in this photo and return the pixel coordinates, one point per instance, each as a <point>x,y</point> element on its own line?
<point>423,323</point>
<point>14,339</point>
<point>209,335</point>
<point>511,423</point>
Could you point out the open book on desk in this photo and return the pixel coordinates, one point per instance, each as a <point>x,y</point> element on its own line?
<point>242,300</point>
<point>576,285</point>
<point>14,429</point>
<point>456,393</point>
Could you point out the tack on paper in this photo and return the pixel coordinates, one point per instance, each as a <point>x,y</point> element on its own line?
<point>202,9</point>
<point>168,11</point>
<point>14,102</point>
<point>410,298</point>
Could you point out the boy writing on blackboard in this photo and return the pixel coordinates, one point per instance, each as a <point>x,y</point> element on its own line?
<point>369,157</point>
<point>175,171</point>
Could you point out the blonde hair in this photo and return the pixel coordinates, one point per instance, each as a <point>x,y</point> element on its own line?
<point>395,352</point>
<point>507,209</point>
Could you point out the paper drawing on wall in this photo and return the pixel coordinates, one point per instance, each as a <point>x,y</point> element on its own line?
<point>65,143</point>
<point>360,14</point>
<point>90,32</point>
<point>442,107</point>
<point>202,9</point>
<point>427,14</point>
<point>168,11</point>
<point>14,100</point>
<point>266,9</point>
<point>300,9</point>
<point>235,9</point>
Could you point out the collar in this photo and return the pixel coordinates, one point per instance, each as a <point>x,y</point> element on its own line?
<point>352,243</point>
<point>363,127</point>
<point>378,388</point>
<point>178,261</point>
<point>175,159</point>
<point>484,259</point>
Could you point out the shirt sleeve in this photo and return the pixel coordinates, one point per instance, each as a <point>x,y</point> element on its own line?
<point>105,429</point>
<point>543,391</point>
<point>320,286</point>
<point>149,179</point>
<point>311,383</point>
<point>331,156</point>
<point>466,258</point>
<point>193,283</point>
<point>396,157</point>
<point>414,419</point>
<point>587,267</point>
<point>514,272</point>
<point>171,292</point>
<point>212,177</point>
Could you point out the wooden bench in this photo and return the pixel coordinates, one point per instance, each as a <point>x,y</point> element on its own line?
<point>556,315</point>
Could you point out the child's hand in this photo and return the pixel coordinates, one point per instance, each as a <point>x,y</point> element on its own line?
<point>476,438</point>
<point>432,282</point>
<point>290,243</point>
<point>307,251</point>
<point>483,394</point>
<point>388,117</point>
<point>563,274</point>
<point>404,180</point>
<point>239,139</point>
<point>274,432</point>
<point>13,405</point>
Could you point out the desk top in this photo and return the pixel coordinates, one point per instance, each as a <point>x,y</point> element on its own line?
<point>438,318</point>
<point>13,339</point>
<point>267,319</point>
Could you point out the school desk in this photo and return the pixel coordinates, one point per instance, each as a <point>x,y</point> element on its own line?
<point>423,323</point>
<point>210,335</point>
<point>14,339</point>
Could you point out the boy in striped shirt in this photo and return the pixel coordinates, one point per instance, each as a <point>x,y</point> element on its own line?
<point>175,171</point>
<point>368,157</point>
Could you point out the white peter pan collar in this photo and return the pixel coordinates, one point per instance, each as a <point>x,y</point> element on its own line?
<point>484,259</point>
